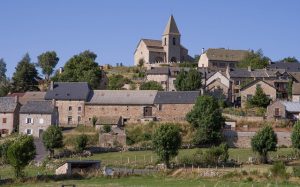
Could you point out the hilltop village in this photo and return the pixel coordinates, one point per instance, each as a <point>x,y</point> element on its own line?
<point>221,99</point>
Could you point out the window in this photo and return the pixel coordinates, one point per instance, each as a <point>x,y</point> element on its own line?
<point>79,109</point>
<point>69,119</point>
<point>222,65</point>
<point>79,119</point>
<point>277,111</point>
<point>70,108</point>
<point>174,41</point>
<point>237,82</point>
<point>160,107</point>
<point>41,121</point>
<point>4,120</point>
<point>236,91</point>
<point>215,64</point>
<point>249,96</point>
<point>28,131</point>
<point>231,65</point>
<point>147,111</point>
<point>29,120</point>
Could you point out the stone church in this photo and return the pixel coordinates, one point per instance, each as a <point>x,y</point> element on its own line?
<point>168,50</point>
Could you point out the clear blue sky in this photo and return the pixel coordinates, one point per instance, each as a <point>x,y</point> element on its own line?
<point>112,28</point>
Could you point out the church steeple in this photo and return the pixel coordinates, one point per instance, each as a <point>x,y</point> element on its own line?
<point>171,27</point>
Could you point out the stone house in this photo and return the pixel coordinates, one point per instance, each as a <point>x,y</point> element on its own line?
<point>37,116</point>
<point>9,115</point>
<point>219,59</point>
<point>219,86</point>
<point>70,100</point>
<point>296,92</point>
<point>173,106</point>
<point>283,110</point>
<point>165,51</point>
<point>248,91</point>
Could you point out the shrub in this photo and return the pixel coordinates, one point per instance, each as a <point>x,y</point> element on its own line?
<point>53,139</point>
<point>106,128</point>
<point>279,170</point>
<point>3,151</point>
<point>296,171</point>
<point>81,142</point>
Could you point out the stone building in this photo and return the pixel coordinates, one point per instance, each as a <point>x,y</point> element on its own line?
<point>219,86</point>
<point>70,100</point>
<point>37,116</point>
<point>284,110</point>
<point>296,92</point>
<point>168,50</point>
<point>9,115</point>
<point>287,66</point>
<point>248,91</point>
<point>219,59</point>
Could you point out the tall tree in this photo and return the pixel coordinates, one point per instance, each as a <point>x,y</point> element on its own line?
<point>151,85</point>
<point>295,137</point>
<point>166,142</point>
<point>26,76</point>
<point>20,153</point>
<point>290,59</point>
<point>82,68</point>
<point>188,81</point>
<point>263,141</point>
<point>256,60</point>
<point>53,139</point>
<point>206,118</point>
<point>2,70</point>
<point>47,62</point>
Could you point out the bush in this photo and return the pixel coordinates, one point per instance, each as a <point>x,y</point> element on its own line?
<point>81,142</point>
<point>296,171</point>
<point>3,151</point>
<point>279,170</point>
<point>106,128</point>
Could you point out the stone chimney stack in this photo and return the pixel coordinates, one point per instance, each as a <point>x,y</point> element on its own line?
<point>249,68</point>
<point>16,99</point>
<point>51,85</point>
<point>202,51</point>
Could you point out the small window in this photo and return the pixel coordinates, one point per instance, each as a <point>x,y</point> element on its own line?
<point>237,82</point>
<point>4,120</point>
<point>160,107</point>
<point>79,109</point>
<point>236,91</point>
<point>41,121</point>
<point>70,108</point>
<point>174,41</point>
<point>29,120</point>
<point>29,131</point>
<point>277,111</point>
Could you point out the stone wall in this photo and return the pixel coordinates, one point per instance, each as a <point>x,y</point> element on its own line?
<point>244,118</point>
<point>75,113</point>
<point>173,112</point>
<point>112,140</point>
<point>271,110</point>
<point>10,123</point>
<point>242,139</point>
<point>40,122</point>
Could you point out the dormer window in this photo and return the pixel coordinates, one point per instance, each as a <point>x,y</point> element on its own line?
<point>174,41</point>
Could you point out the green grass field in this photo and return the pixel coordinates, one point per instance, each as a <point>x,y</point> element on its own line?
<point>152,181</point>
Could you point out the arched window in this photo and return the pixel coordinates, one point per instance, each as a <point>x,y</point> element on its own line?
<point>174,41</point>
<point>165,41</point>
<point>158,59</point>
<point>173,59</point>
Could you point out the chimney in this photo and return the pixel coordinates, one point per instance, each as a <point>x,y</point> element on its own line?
<point>53,102</point>
<point>16,99</point>
<point>202,50</point>
<point>249,68</point>
<point>61,70</point>
<point>51,85</point>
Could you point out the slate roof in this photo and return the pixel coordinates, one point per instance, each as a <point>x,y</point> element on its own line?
<point>295,75</point>
<point>171,27</point>
<point>180,97</point>
<point>152,43</point>
<point>289,67</point>
<point>172,71</point>
<point>222,54</point>
<point>123,97</point>
<point>296,89</point>
<point>256,81</point>
<point>68,91</point>
<point>291,106</point>
<point>37,107</point>
<point>254,73</point>
<point>8,104</point>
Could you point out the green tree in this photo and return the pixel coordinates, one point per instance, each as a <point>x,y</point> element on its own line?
<point>295,137</point>
<point>2,70</point>
<point>116,82</point>
<point>25,77</point>
<point>81,68</point>
<point>188,81</point>
<point>255,60</point>
<point>47,62</point>
<point>206,118</point>
<point>263,141</point>
<point>151,85</point>
<point>3,150</point>
<point>53,139</point>
<point>260,99</point>
<point>4,83</point>
<point>290,59</point>
<point>81,142</point>
<point>166,142</point>
<point>290,88</point>
<point>20,153</point>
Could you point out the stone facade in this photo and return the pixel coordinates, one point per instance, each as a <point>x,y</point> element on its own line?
<point>276,110</point>
<point>8,123</point>
<point>249,91</point>
<point>172,112</point>
<point>38,123</point>
<point>9,115</point>
<point>71,113</point>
